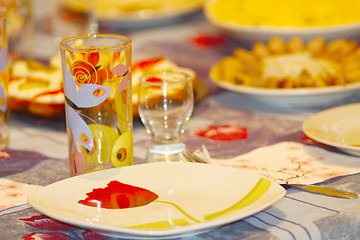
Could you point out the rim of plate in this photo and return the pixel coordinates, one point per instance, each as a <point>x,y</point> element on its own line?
<point>288,92</point>
<point>138,16</point>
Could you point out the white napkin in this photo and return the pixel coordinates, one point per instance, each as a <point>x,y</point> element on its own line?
<point>290,162</point>
<point>14,193</point>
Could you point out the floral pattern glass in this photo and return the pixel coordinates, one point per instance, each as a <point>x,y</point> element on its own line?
<point>4,80</point>
<point>97,87</point>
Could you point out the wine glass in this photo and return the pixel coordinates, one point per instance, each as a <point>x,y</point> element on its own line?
<point>166,102</point>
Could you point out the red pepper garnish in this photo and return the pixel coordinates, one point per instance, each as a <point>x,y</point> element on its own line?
<point>50,92</point>
<point>13,78</point>
<point>147,63</point>
<point>154,80</point>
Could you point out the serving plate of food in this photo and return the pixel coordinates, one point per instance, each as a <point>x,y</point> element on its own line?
<point>259,20</point>
<point>37,89</point>
<point>154,200</point>
<point>338,127</point>
<point>292,73</point>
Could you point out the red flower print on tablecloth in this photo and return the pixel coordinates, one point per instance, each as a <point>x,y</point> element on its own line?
<point>46,223</point>
<point>223,132</point>
<point>118,195</point>
<point>88,235</point>
<point>46,236</point>
<point>205,40</point>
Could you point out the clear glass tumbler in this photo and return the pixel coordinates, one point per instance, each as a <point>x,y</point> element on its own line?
<point>166,102</point>
<point>4,82</point>
<point>98,106</point>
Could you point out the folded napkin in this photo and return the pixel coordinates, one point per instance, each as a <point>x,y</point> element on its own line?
<point>14,193</point>
<point>290,162</point>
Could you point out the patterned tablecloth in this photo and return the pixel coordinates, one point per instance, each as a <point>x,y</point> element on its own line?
<point>38,151</point>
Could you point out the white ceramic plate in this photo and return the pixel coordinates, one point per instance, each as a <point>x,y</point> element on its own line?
<point>338,127</point>
<point>295,97</point>
<point>252,34</point>
<point>193,197</point>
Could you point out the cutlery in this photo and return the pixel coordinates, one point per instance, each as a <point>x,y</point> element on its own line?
<point>324,190</point>
<point>189,156</point>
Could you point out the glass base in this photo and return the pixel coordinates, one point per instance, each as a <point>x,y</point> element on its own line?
<point>165,153</point>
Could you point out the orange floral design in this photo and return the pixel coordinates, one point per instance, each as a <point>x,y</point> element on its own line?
<point>91,71</point>
<point>84,73</point>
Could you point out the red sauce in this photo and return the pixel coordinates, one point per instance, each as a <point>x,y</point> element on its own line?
<point>119,195</point>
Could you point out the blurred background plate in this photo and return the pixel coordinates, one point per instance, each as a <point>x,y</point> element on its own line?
<point>337,127</point>
<point>330,21</point>
<point>145,13</point>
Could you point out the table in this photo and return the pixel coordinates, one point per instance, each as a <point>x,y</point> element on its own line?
<point>37,155</point>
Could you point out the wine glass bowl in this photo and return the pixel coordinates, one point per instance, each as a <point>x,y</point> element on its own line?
<point>166,102</point>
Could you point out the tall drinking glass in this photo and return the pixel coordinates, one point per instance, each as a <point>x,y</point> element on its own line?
<point>97,86</point>
<point>4,81</point>
<point>165,105</point>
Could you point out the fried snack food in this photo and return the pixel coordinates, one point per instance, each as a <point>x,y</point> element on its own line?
<point>291,64</point>
<point>37,89</point>
<point>153,65</point>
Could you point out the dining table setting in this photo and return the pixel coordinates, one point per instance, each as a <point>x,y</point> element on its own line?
<point>191,120</point>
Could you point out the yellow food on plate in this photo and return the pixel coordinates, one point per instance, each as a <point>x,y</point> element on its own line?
<point>285,13</point>
<point>291,64</point>
<point>149,65</point>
